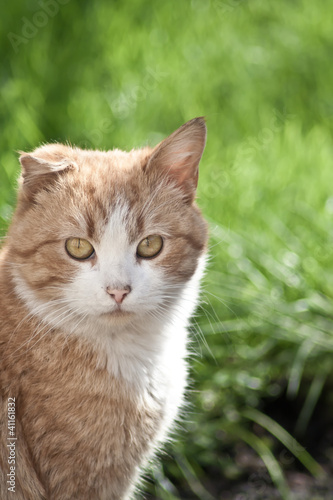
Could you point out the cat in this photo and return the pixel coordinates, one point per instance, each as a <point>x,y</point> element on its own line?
<point>99,275</point>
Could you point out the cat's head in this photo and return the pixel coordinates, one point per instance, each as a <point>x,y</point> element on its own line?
<point>108,238</point>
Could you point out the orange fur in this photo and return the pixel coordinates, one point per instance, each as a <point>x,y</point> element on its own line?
<point>84,429</point>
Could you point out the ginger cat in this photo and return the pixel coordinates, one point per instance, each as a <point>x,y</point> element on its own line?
<point>99,276</point>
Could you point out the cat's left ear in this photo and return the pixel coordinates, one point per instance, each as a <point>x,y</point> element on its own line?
<point>179,155</point>
<point>42,166</point>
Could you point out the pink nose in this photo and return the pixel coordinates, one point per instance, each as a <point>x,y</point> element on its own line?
<point>118,295</point>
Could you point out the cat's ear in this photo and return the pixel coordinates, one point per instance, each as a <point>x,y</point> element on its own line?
<point>178,156</point>
<point>41,167</point>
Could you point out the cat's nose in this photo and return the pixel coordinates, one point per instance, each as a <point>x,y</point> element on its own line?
<point>118,294</point>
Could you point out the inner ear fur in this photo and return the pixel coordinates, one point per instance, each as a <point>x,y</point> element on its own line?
<point>179,155</point>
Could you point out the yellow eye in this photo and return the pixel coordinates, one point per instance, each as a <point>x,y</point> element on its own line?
<point>79,249</point>
<point>150,246</point>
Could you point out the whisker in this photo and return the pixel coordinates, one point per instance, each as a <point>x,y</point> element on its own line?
<point>39,330</point>
<point>51,327</point>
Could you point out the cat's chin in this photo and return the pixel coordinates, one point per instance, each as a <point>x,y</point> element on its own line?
<point>118,316</point>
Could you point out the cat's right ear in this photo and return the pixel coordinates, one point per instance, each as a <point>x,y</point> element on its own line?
<point>38,172</point>
<point>177,157</point>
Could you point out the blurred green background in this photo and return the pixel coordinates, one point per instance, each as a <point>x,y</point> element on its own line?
<point>123,74</point>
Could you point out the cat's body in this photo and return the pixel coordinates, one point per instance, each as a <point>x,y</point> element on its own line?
<point>93,348</point>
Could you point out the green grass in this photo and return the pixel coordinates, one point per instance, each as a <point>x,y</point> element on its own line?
<point>116,74</point>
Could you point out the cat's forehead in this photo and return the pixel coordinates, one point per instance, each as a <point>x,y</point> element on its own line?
<point>98,169</point>
<point>107,177</point>
<point>112,190</point>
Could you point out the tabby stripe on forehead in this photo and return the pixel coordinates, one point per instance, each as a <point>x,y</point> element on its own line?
<point>90,224</point>
<point>134,228</point>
